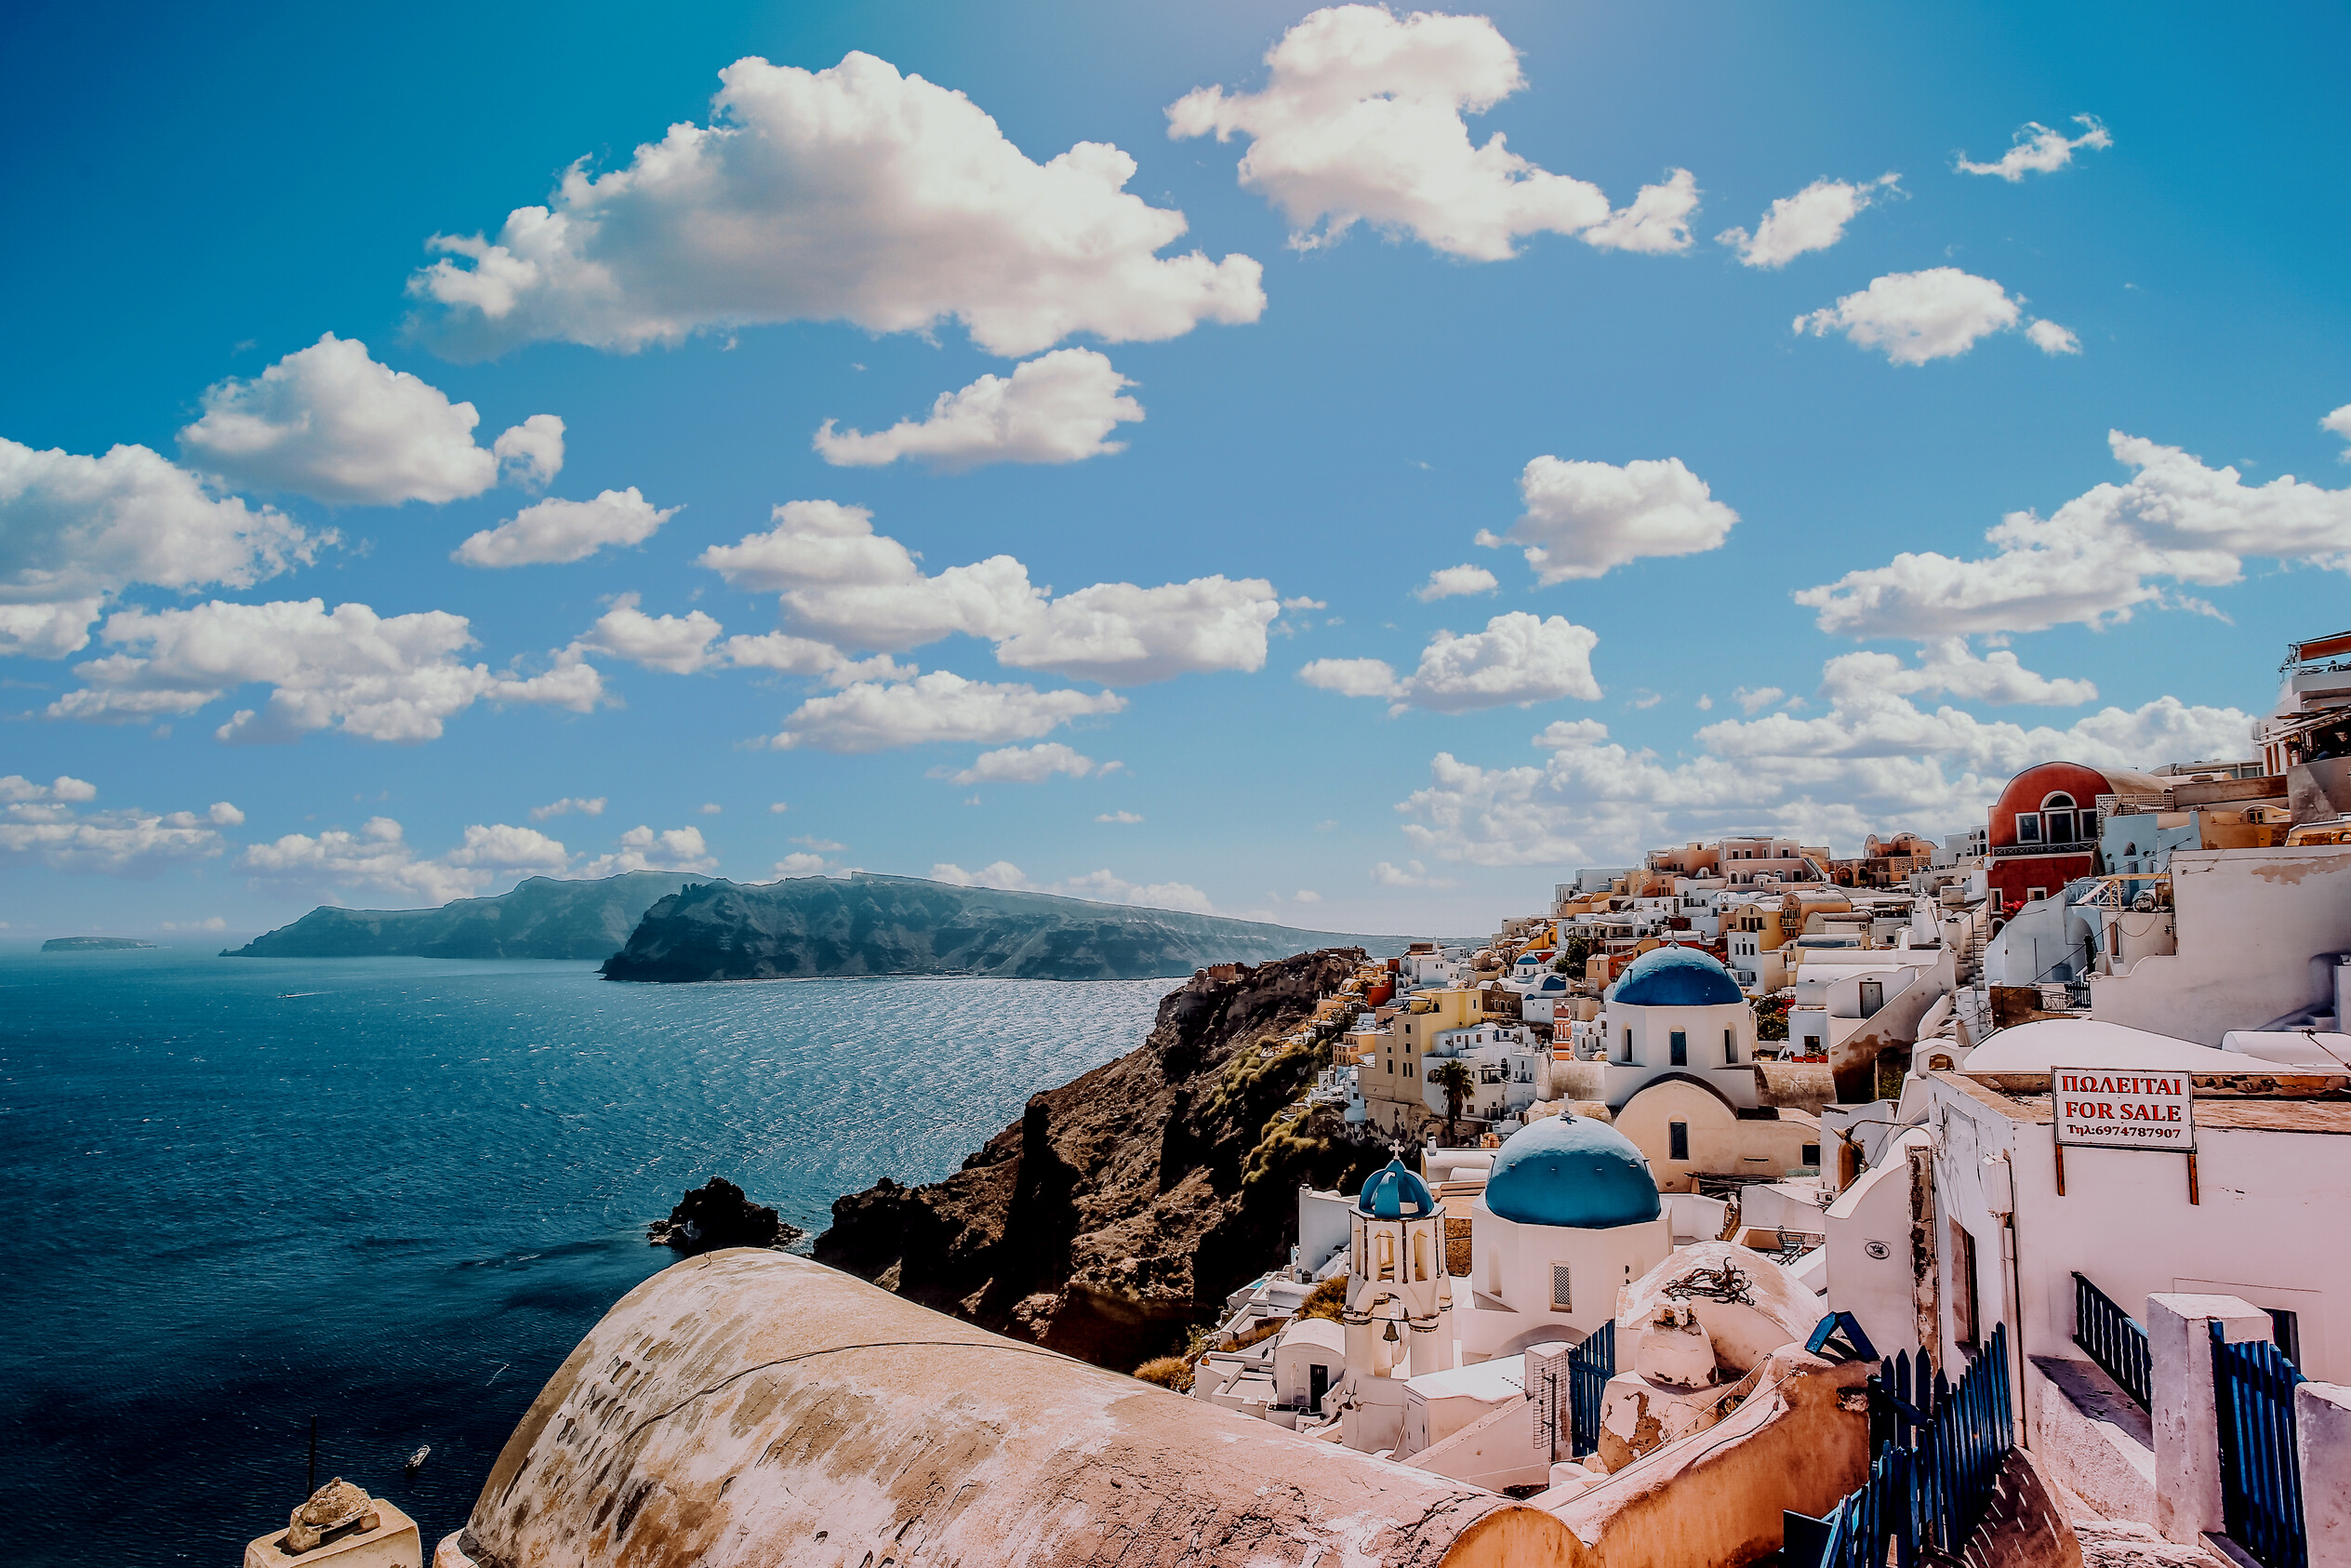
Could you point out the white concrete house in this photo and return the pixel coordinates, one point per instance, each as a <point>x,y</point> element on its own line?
<point>1677,1010</point>
<point>1570,1213</point>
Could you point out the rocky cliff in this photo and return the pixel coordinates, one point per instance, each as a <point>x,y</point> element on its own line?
<point>867,925</point>
<point>1123,1207</point>
<point>541,918</point>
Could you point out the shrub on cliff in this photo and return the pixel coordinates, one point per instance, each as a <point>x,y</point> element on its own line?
<point>1168,1372</point>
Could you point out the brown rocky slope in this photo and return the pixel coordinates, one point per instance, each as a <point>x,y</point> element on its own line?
<point>1123,1207</point>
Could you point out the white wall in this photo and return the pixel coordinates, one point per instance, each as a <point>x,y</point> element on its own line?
<point>2248,924</point>
<point>1510,1267</point>
<point>2267,1228</point>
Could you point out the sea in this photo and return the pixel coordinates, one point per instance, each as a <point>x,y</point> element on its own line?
<point>391,1195</point>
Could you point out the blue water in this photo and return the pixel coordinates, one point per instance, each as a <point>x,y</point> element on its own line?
<point>396,1197</point>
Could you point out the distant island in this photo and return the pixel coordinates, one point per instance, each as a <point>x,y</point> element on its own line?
<point>93,944</point>
<point>542,918</point>
<point>867,924</point>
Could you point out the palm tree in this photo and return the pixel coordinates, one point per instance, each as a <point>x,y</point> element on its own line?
<point>1453,1078</point>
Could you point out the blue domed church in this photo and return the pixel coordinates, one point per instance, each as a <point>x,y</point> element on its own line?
<point>1570,1215</point>
<point>1677,1011</point>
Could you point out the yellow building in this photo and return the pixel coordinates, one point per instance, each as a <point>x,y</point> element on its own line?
<point>1391,1080</point>
<point>1688,1129</point>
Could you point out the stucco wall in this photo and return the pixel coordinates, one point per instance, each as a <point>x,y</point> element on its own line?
<point>1719,1142</point>
<point>1715,1498</point>
<point>748,1409</point>
<point>2248,924</point>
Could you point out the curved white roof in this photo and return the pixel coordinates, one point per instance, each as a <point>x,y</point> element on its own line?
<point>2053,1042</point>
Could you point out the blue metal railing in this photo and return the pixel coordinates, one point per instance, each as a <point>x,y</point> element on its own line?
<point>1589,1366</point>
<point>2116,1341</point>
<point>1939,1446</point>
<point>2261,1463</point>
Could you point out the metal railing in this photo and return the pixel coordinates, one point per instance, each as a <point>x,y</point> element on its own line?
<point>1939,1447</point>
<point>1589,1366</point>
<point>2261,1462</point>
<point>2114,1340</point>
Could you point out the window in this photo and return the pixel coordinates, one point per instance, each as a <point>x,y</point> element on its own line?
<point>2286,1329</point>
<point>1629,1045</point>
<point>1730,1047</point>
<point>1386,1256</point>
<point>2061,826</point>
<point>1963,1302</point>
<point>2028,826</point>
<point>1680,1046</point>
<point>1812,1155</point>
<point>1677,1140</point>
<point>1562,1297</point>
<point>1421,1255</point>
<point>2033,895</point>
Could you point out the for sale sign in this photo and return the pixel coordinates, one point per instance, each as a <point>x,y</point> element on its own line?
<point>2104,1107</point>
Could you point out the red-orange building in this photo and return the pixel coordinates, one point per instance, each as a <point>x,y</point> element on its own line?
<point>2044,828</point>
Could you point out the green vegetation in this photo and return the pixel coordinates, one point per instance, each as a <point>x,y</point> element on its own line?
<point>1327,1299</point>
<point>1574,953</point>
<point>1168,1372</point>
<point>1453,1078</point>
<point>1771,1017</point>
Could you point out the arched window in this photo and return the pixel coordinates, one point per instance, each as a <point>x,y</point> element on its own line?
<point>2058,818</point>
<point>1387,1255</point>
<point>1421,1255</point>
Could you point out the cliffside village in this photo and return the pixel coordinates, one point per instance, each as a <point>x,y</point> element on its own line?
<point>1663,1144</point>
<point>1980,1199</point>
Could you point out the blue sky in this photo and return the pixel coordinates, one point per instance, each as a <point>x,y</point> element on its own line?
<point>1759,472</point>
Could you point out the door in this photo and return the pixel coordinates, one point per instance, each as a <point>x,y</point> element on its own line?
<point>1317,1383</point>
<point>1873,996</point>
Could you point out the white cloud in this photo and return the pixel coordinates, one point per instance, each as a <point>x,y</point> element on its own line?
<point>1121,818</point>
<point>642,849</point>
<point>2097,557</point>
<point>1411,874</point>
<point>2040,150</point>
<point>1874,762</point>
<point>803,865</point>
<point>2340,422</point>
<point>1103,886</point>
<point>384,678</point>
<point>40,826</point>
<point>1352,677</point>
<point>853,193</point>
<point>74,530</point>
<point>938,706</point>
<point>680,644</point>
<point>1451,582</point>
<point>552,531</point>
<point>823,847</point>
<point>1361,121</point>
<point>1658,221</point>
<point>1918,316</point>
<point>1518,659</point>
<point>379,859</point>
<point>1583,519</point>
<point>531,454</point>
<point>1120,634</point>
<point>1306,895</point>
<point>1949,668</point>
<point>16,789</point>
<point>843,583</point>
<point>2051,339</point>
<point>589,806</point>
<point>330,422</point>
<point>1024,764</point>
<point>1813,218</point>
<point>1571,732</point>
<point>709,809</point>
<point>1059,408</point>
<point>1761,697</point>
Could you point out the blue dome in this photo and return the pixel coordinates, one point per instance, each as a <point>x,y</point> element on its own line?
<point>1395,1193</point>
<point>1572,1171</point>
<point>1676,977</point>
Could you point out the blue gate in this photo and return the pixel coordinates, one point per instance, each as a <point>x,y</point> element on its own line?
<point>2261,1464</point>
<point>2114,1340</point>
<point>1939,1446</point>
<point>1589,1366</point>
